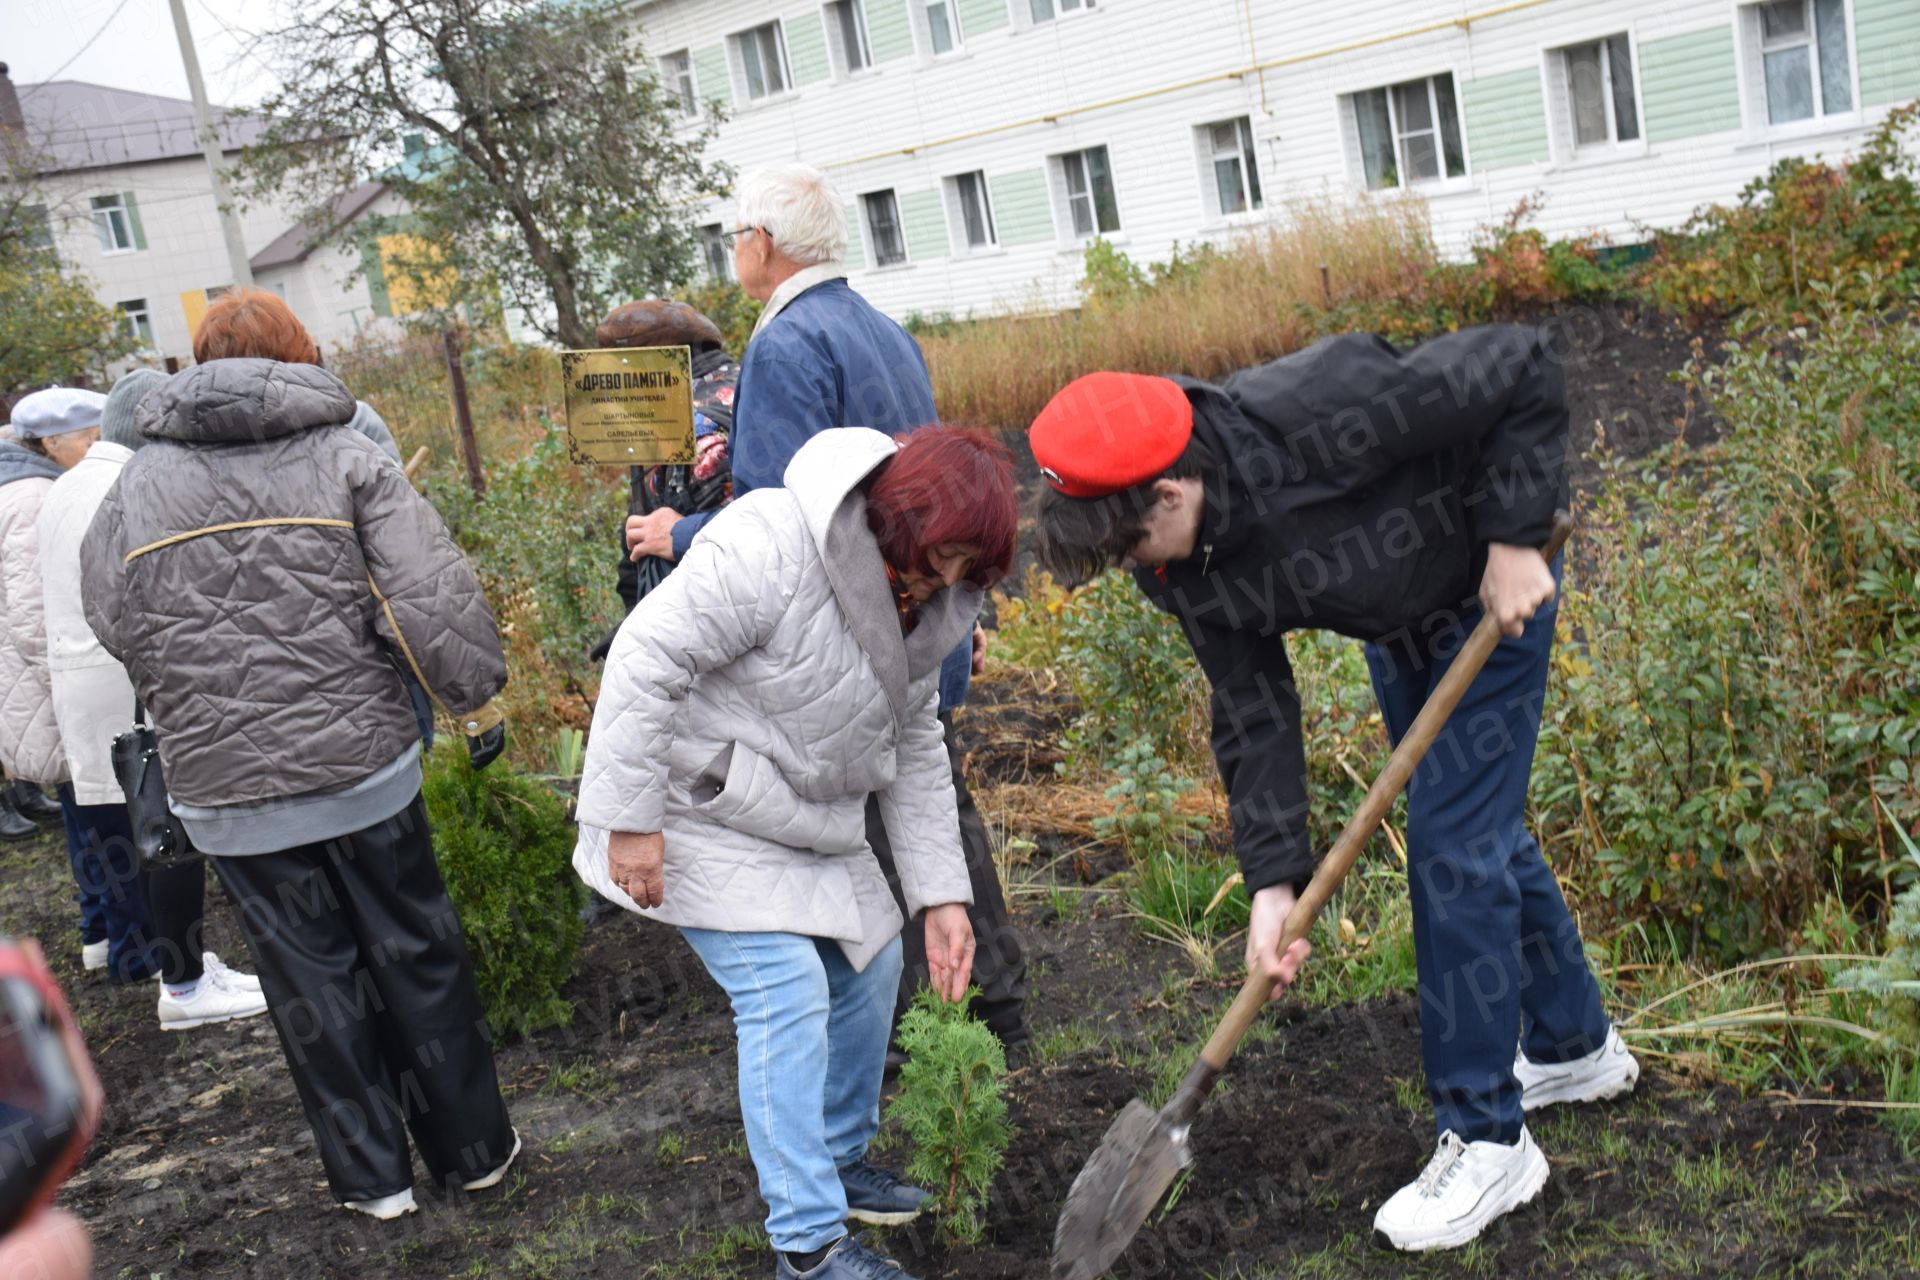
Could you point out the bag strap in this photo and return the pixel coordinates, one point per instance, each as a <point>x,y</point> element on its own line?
<point>139,714</point>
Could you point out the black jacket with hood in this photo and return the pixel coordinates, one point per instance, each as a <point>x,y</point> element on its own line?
<point>1357,490</point>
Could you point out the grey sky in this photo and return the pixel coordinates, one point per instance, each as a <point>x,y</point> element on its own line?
<point>137,50</point>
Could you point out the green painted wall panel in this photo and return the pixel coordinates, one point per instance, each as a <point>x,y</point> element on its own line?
<point>1021,212</point>
<point>923,216</point>
<point>1889,43</point>
<point>711,78</point>
<point>1506,120</point>
<point>977,17</point>
<point>856,258</point>
<point>889,30</point>
<point>1689,84</point>
<point>807,47</point>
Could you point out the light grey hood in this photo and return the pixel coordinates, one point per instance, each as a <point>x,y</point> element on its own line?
<point>825,478</point>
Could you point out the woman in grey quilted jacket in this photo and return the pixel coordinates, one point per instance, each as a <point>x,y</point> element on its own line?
<point>787,669</point>
<point>265,574</point>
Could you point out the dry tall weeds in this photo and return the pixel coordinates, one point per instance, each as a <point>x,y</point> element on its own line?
<point>1251,305</point>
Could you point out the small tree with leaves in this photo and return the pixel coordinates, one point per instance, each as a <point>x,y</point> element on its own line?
<point>950,1105</point>
<point>557,171</point>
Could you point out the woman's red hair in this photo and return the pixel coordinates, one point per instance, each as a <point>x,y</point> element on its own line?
<point>946,485</point>
<point>253,322</point>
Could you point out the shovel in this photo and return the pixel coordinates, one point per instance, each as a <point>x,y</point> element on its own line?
<point>1144,1150</point>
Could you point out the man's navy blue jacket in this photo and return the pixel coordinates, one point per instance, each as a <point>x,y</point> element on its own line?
<point>1357,490</point>
<point>829,359</point>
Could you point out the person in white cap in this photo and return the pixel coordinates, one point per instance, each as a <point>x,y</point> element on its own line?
<point>53,429</point>
<point>93,702</point>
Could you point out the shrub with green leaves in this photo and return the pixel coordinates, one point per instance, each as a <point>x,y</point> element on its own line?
<point>950,1105</point>
<point>1134,675</point>
<point>505,849</point>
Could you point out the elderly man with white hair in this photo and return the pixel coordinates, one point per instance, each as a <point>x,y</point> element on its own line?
<point>823,357</point>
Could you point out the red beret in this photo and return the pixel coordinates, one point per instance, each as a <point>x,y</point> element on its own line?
<point>1105,432</point>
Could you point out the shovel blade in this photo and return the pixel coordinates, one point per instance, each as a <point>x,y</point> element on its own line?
<point>1120,1184</point>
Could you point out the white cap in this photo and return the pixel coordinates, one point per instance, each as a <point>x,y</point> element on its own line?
<point>56,411</point>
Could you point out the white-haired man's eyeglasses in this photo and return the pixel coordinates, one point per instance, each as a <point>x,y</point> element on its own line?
<point>727,237</point>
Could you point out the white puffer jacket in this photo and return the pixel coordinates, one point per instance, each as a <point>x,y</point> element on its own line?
<point>753,701</point>
<point>29,738</point>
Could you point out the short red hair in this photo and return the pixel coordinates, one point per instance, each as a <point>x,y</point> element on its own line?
<point>946,485</point>
<point>255,323</point>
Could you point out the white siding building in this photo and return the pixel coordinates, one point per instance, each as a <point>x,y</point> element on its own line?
<point>982,143</point>
<point>130,206</point>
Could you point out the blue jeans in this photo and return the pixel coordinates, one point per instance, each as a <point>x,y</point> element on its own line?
<point>813,1046</point>
<point>113,893</point>
<point>1499,957</point>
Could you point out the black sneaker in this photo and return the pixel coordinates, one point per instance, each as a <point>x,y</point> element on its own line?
<point>880,1198</point>
<point>848,1260</point>
<point>14,825</point>
<point>34,804</point>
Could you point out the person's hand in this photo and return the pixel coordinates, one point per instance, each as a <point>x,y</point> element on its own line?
<point>652,534</point>
<point>949,950</point>
<point>979,649</point>
<point>1516,584</point>
<point>51,1245</point>
<point>1270,908</point>
<point>484,749</point>
<point>636,860</point>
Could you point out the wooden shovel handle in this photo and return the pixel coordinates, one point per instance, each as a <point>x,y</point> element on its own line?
<point>1367,819</point>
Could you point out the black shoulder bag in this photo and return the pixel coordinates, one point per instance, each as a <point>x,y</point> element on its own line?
<point>158,835</point>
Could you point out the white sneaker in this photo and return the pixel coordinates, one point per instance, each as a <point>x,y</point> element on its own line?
<point>1464,1187</point>
<point>215,1000</point>
<point>93,955</point>
<point>211,963</point>
<point>386,1208</point>
<point>1607,1072</point>
<point>493,1179</point>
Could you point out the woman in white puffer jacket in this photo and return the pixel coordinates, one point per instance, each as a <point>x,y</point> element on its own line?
<point>787,669</point>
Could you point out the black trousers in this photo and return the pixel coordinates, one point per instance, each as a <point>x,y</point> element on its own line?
<point>999,962</point>
<point>370,984</point>
<point>177,900</point>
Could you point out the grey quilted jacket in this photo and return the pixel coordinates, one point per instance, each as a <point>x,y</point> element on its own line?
<point>264,572</point>
<point>754,700</point>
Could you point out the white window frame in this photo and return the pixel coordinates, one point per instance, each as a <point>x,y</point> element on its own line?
<point>1350,128</point>
<point>1751,54</point>
<point>110,218</point>
<point>678,77</point>
<point>837,40</point>
<point>1060,168</point>
<point>1246,153</point>
<point>138,320</point>
<point>874,239</point>
<point>708,260</point>
<point>737,46</point>
<point>1056,10</point>
<point>1558,87</point>
<point>956,192</point>
<point>923,14</point>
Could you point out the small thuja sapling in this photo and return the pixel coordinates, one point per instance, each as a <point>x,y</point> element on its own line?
<point>951,1106</point>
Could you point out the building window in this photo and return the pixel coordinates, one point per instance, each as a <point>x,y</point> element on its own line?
<point>39,228</point>
<point>1409,133</point>
<point>848,22</point>
<point>975,208</point>
<point>676,73</point>
<point>1599,87</point>
<point>714,251</point>
<point>111,221</point>
<point>138,320</point>
<point>883,228</point>
<point>1048,10</point>
<point>1228,147</point>
<point>763,60</point>
<point>943,27</point>
<point>1088,179</point>
<point>1805,68</point>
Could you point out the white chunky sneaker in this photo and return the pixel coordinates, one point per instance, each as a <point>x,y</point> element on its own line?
<point>1607,1072</point>
<point>493,1179</point>
<point>211,963</point>
<point>1464,1187</point>
<point>214,1000</point>
<point>385,1208</point>
<point>93,955</point>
